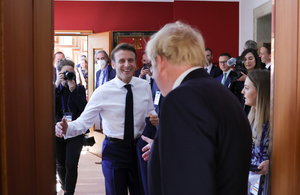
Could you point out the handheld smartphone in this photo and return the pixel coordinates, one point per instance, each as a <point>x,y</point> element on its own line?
<point>145,66</point>
<point>254,168</point>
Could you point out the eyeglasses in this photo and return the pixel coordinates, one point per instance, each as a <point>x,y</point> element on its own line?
<point>222,62</point>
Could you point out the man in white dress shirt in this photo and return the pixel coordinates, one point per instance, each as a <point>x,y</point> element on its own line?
<point>119,159</point>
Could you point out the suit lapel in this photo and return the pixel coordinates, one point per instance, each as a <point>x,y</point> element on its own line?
<point>212,71</point>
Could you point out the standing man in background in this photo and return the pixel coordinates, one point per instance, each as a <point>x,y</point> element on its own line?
<point>106,72</point>
<point>57,56</point>
<point>211,69</point>
<point>146,71</point>
<point>265,55</point>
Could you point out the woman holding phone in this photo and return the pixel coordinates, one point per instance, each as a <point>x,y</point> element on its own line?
<point>257,95</point>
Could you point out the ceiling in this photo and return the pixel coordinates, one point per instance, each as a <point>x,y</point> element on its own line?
<point>154,0</point>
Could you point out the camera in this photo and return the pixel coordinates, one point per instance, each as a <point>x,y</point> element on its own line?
<point>69,75</point>
<point>88,141</point>
<point>145,66</point>
<point>238,64</point>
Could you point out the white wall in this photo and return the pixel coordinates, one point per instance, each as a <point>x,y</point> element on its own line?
<point>246,20</point>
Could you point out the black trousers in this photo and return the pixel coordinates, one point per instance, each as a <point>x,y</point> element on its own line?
<point>67,157</point>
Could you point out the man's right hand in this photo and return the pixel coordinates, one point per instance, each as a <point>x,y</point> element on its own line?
<point>61,128</point>
<point>144,72</point>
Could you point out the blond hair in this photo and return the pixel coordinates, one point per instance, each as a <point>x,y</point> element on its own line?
<point>179,44</point>
<point>261,114</point>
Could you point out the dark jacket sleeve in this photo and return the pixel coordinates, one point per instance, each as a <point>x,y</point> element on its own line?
<point>97,78</point>
<point>111,73</point>
<point>77,101</point>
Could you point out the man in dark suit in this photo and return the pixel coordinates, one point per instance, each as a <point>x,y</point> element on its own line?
<point>203,142</point>
<point>228,78</point>
<point>211,69</point>
<point>106,72</point>
<point>265,55</point>
<point>57,56</point>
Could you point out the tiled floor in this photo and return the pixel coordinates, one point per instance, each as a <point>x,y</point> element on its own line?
<point>90,178</point>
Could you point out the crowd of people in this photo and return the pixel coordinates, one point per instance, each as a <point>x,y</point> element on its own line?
<point>178,125</point>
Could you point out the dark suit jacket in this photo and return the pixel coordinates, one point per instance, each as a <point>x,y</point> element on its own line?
<point>76,104</point>
<point>235,87</point>
<point>215,71</point>
<point>111,75</point>
<point>203,143</point>
<point>138,72</point>
<point>150,132</point>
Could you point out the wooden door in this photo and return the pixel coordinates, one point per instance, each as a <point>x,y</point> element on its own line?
<point>285,96</point>
<point>26,100</point>
<point>96,42</point>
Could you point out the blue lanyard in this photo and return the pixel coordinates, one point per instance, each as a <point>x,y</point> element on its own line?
<point>261,144</point>
<point>83,72</point>
<point>62,101</point>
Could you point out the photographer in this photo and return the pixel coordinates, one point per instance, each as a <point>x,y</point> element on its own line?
<point>146,71</point>
<point>70,101</point>
<point>251,62</point>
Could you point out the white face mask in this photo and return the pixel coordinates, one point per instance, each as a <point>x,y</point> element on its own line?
<point>102,63</point>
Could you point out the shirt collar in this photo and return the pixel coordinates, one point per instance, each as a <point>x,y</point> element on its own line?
<point>121,84</point>
<point>183,75</point>
<point>268,65</point>
<point>228,71</point>
<point>106,67</point>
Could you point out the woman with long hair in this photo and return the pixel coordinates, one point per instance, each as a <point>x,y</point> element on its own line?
<point>257,95</point>
<point>251,62</point>
<point>82,74</point>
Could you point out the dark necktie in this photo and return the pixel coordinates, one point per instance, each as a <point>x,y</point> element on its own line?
<point>128,127</point>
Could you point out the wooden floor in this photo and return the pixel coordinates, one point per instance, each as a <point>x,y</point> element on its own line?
<point>90,177</point>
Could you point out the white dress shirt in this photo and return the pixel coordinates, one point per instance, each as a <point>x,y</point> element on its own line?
<point>183,75</point>
<point>209,68</point>
<point>109,101</point>
<point>227,74</point>
<point>268,65</point>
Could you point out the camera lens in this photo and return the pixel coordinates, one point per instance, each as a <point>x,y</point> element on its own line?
<point>69,75</point>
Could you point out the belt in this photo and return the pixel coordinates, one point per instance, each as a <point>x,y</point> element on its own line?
<point>120,141</point>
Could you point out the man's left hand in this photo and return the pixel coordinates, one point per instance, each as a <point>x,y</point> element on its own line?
<point>153,119</point>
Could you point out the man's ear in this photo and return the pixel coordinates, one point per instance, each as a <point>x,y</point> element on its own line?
<point>161,62</point>
<point>113,65</point>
